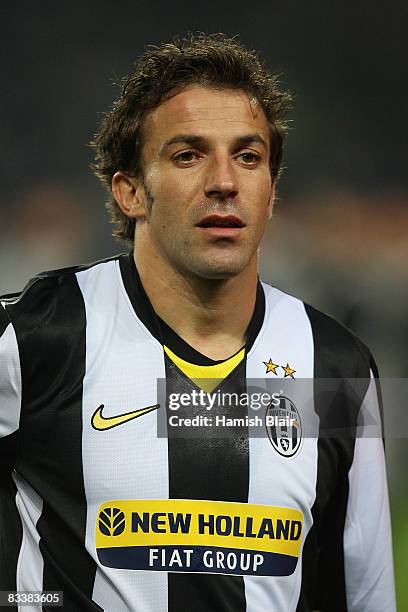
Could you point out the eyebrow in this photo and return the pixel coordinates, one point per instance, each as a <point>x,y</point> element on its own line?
<point>192,139</point>
<point>250,138</point>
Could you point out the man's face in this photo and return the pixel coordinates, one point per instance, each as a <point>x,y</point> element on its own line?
<point>207,184</point>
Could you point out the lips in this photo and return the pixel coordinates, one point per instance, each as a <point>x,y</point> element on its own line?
<point>228,221</point>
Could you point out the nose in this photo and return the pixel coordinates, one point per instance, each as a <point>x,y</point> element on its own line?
<point>221,181</point>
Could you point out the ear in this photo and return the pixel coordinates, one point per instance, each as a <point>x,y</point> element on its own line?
<point>129,194</point>
<point>271,199</point>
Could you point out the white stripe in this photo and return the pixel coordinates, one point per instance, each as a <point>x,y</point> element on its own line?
<point>286,337</point>
<point>368,560</point>
<point>30,565</point>
<point>10,383</point>
<point>123,363</point>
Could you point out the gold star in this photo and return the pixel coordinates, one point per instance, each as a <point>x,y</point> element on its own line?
<point>288,371</point>
<point>271,367</point>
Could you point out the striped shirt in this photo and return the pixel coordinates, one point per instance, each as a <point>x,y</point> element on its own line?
<point>100,500</point>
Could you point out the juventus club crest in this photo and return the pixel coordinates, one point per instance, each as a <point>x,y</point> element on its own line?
<point>284,427</point>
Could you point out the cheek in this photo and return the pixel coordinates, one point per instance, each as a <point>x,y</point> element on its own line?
<point>167,212</point>
<point>261,196</point>
<point>173,198</point>
<point>262,212</point>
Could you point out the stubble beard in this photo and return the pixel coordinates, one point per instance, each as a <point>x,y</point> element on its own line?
<point>196,264</point>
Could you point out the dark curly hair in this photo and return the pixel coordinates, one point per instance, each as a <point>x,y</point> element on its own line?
<point>209,60</point>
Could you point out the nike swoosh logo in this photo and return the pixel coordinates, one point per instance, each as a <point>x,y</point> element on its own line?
<point>99,422</point>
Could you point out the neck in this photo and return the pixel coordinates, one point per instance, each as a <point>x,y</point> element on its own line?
<point>210,315</point>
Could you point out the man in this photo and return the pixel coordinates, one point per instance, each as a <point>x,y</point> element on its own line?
<point>96,502</point>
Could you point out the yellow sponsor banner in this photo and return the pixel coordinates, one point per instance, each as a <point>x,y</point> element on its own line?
<point>178,522</point>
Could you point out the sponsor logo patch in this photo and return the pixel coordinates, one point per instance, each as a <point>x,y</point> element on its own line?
<point>199,536</point>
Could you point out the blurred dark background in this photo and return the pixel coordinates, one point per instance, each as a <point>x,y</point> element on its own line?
<point>339,238</point>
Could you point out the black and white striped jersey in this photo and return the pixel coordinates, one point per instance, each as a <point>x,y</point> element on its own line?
<point>95,503</point>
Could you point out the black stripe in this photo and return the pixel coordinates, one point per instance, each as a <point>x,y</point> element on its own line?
<point>4,320</point>
<point>50,324</point>
<point>11,532</point>
<point>376,375</point>
<point>206,467</point>
<point>338,354</point>
<point>8,452</point>
<point>8,444</point>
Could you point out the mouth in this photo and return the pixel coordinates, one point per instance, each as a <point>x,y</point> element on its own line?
<point>228,222</point>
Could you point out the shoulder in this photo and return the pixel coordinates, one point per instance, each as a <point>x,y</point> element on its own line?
<point>48,320</point>
<point>43,292</point>
<point>337,349</point>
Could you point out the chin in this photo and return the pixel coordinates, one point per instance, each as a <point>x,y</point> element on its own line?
<point>219,270</point>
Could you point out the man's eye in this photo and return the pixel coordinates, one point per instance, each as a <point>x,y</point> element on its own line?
<point>248,157</point>
<point>186,156</point>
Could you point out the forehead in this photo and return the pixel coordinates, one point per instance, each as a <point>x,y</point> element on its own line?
<point>208,112</point>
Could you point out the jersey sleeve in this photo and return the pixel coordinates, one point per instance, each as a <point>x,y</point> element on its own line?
<point>10,391</point>
<point>368,562</point>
